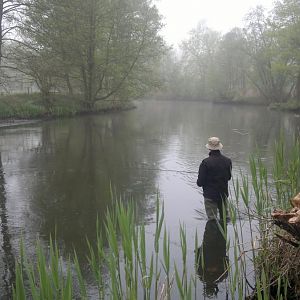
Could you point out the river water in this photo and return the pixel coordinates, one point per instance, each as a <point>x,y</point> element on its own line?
<point>56,176</point>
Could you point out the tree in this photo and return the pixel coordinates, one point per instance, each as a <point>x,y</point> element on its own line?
<point>8,10</point>
<point>199,55</point>
<point>104,47</point>
<point>268,73</point>
<point>121,53</point>
<point>287,23</point>
<point>228,79</point>
<point>175,82</point>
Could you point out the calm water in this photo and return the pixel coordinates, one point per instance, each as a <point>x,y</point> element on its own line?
<point>57,174</point>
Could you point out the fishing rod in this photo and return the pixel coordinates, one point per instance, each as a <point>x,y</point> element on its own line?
<point>163,170</point>
<point>170,170</point>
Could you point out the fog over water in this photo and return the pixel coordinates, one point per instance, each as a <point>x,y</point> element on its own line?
<point>229,69</point>
<point>57,174</point>
<point>218,15</point>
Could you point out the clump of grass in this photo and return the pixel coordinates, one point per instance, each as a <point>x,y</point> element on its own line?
<point>44,279</point>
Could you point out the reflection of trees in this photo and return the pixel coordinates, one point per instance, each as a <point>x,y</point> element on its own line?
<point>8,269</point>
<point>79,160</point>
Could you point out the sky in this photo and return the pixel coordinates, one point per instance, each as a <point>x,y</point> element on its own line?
<point>181,16</point>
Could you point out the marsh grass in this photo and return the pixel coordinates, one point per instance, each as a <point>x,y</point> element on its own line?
<point>124,267</point>
<point>272,189</point>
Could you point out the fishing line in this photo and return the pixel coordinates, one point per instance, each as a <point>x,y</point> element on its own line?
<point>163,170</point>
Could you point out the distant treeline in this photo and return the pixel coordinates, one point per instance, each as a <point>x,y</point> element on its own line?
<point>259,62</point>
<point>99,49</point>
<point>112,49</point>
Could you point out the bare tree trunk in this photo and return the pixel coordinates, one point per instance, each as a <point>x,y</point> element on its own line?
<point>1,37</point>
<point>91,56</point>
<point>69,85</point>
<point>46,98</point>
<point>298,88</point>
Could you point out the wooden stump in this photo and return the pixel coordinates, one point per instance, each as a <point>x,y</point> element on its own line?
<point>289,221</point>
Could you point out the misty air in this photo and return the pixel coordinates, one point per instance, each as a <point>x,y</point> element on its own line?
<point>149,149</point>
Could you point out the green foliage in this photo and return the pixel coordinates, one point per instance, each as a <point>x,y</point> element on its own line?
<point>21,106</point>
<point>32,106</point>
<point>97,48</point>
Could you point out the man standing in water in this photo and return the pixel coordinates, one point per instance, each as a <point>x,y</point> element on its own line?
<point>214,174</point>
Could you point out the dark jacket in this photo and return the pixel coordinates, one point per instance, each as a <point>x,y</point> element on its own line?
<point>214,174</point>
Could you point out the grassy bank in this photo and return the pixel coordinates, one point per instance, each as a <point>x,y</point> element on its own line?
<point>31,106</point>
<point>243,101</point>
<point>123,265</point>
<point>292,106</point>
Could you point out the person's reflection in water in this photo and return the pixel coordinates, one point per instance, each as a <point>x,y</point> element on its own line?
<point>211,258</point>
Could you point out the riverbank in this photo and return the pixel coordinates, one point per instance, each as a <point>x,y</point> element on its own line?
<point>289,106</point>
<point>21,109</point>
<point>242,101</point>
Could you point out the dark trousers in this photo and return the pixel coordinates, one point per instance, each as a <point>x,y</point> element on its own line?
<point>212,208</point>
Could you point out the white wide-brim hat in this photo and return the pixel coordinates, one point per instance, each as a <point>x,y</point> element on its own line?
<point>214,143</point>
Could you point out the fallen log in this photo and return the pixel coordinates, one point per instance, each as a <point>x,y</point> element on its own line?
<point>289,221</point>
